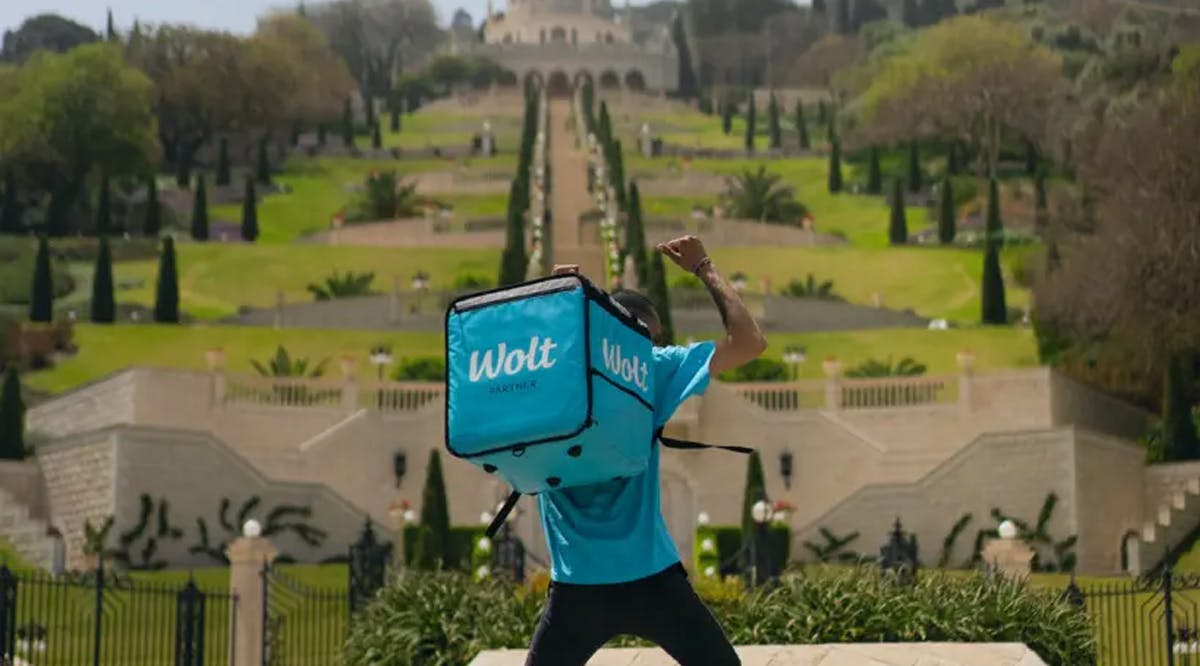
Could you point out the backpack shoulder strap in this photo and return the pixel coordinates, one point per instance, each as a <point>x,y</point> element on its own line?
<point>672,443</point>
<point>502,514</point>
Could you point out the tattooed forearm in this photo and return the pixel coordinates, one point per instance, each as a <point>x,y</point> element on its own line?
<point>719,298</point>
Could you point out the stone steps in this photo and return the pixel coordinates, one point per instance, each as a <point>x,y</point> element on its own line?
<point>26,535</point>
<point>1173,520</point>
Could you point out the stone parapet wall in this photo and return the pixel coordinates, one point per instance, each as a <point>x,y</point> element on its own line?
<point>103,403</point>
<point>81,485</point>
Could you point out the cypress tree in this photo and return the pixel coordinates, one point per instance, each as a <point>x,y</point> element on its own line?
<point>41,301</point>
<point>754,491</point>
<point>223,177</point>
<point>874,175</point>
<point>822,112</point>
<point>727,118</point>
<point>104,208</point>
<point>835,166</point>
<point>433,539</point>
<point>1031,158</point>
<point>166,295</point>
<point>801,126</point>
<point>773,127</point>
<point>200,211</point>
<point>635,234</point>
<point>954,160</point>
<point>12,416</point>
<point>751,120</point>
<point>152,223</point>
<point>250,213</point>
<point>1041,207</point>
<point>1180,441</point>
<point>376,136</point>
<point>295,135</point>
<point>110,31</point>
<point>914,168</point>
<point>322,139</point>
<point>616,168</point>
<point>10,215</point>
<point>995,227</point>
<point>604,125</point>
<point>513,262</point>
<point>395,124</point>
<point>946,213</point>
<point>104,306</point>
<point>264,163</point>
<point>348,125</point>
<point>898,228</point>
<point>656,290</point>
<point>994,308</point>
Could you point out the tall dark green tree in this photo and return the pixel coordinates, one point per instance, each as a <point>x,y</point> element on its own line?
<point>898,227</point>
<point>263,170</point>
<point>727,117</point>
<point>223,176</point>
<point>655,289</point>
<point>110,30</point>
<point>348,124</point>
<point>514,264</point>
<point>12,416</point>
<point>635,234</point>
<point>874,175</point>
<point>369,110</point>
<point>250,212</point>
<point>10,214</point>
<point>915,180</point>
<point>822,112</point>
<point>41,298</point>
<point>954,159</point>
<point>835,165</point>
<point>773,128</point>
<point>152,223</point>
<point>994,227</point>
<point>801,126</point>
<point>754,491</point>
<point>1031,158</point>
<point>104,208</point>
<point>433,537</point>
<point>395,124</point>
<point>166,293</point>
<point>604,124</point>
<point>200,211</point>
<point>1179,438</point>
<point>751,120</point>
<point>376,136</point>
<point>1041,205</point>
<point>617,169</point>
<point>322,135</point>
<point>104,305</point>
<point>947,219</point>
<point>993,306</point>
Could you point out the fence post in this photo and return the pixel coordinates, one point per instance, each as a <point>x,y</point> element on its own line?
<point>8,613</point>
<point>247,558</point>
<point>99,610</point>
<point>1168,616</point>
<point>189,626</point>
<point>833,384</point>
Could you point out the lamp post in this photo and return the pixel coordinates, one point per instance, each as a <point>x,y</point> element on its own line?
<point>785,468</point>
<point>759,552</point>
<point>381,357</point>
<point>794,355</point>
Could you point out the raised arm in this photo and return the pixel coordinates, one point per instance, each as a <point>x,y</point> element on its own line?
<point>744,340</point>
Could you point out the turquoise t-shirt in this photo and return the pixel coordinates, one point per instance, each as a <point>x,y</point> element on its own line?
<point>614,532</point>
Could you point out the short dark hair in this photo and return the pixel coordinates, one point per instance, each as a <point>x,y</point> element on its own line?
<point>637,304</point>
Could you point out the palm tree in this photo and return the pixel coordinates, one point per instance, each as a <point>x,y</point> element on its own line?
<point>758,195</point>
<point>283,365</point>
<point>342,286</point>
<point>810,288</point>
<point>388,197</point>
<point>905,367</point>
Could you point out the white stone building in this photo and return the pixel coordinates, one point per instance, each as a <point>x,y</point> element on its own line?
<point>563,42</point>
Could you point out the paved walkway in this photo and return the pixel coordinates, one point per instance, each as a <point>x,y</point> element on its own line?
<point>569,196</point>
<point>859,654</point>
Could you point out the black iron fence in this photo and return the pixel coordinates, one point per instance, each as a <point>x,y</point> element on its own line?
<point>1147,621</point>
<point>104,618</point>
<point>305,620</point>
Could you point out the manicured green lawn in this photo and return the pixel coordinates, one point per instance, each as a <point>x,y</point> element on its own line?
<point>692,129</point>
<point>934,282</point>
<point>107,349</point>
<point>861,219</point>
<point>428,128</point>
<point>215,279</point>
<point>320,188</point>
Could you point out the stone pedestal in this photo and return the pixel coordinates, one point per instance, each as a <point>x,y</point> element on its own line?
<point>247,557</point>
<point>1011,558</point>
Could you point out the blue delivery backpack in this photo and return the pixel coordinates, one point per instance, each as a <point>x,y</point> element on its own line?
<point>550,384</point>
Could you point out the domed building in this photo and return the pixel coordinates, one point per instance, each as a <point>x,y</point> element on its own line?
<point>563,42</point>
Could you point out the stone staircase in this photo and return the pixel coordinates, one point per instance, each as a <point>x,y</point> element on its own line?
<point>1171,523</point>
<point>26,535</point>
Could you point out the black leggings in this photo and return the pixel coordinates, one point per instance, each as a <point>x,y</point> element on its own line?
<point>663,609</point>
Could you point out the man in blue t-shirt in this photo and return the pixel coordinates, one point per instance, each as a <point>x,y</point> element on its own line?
<point>614,567</point>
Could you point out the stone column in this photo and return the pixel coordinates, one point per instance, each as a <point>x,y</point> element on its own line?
<point>833,384</point>
<point>350,385</point>
<point>247,557</point>
<point>1011,558</point>
<point>966,367</point>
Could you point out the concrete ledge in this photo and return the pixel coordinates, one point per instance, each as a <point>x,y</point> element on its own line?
<point>854,654</point>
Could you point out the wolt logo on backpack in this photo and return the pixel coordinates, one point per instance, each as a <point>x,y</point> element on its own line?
<point>512,362</point>
<point>633,370</point>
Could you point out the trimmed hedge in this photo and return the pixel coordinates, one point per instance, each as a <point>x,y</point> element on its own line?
<point>727,541</point>
<point>444,618</point>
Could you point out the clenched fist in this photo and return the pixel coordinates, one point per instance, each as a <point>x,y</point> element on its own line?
<point>687,252</point>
